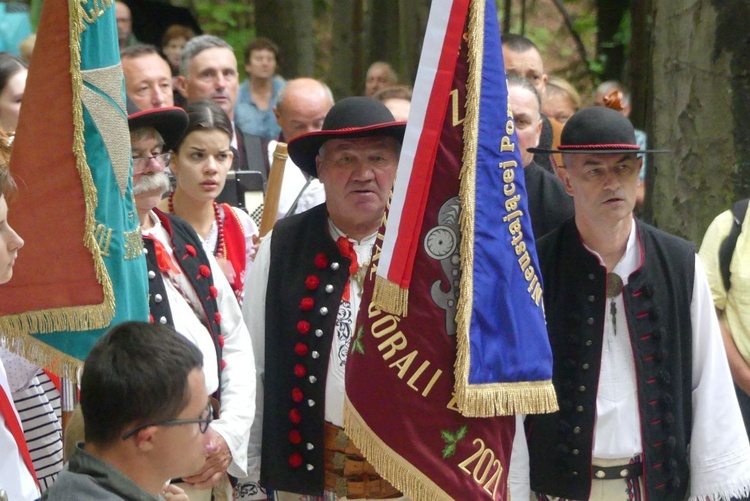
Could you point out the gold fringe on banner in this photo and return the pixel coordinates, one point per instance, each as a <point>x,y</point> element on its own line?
<point>395,469</point>
<point>389,297</point>
<point>45,356</point>
<point>496,399</point>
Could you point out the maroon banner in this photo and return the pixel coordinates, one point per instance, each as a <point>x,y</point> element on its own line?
<point>400,407</point>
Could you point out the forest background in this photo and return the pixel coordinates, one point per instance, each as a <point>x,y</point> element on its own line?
<point>686,61</point>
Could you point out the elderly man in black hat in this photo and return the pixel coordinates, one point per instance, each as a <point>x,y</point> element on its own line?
<point>647,406</point>
<point>188,290</point>
<point>302,302</point>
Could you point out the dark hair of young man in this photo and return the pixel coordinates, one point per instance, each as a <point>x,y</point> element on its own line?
<point>136,373</point>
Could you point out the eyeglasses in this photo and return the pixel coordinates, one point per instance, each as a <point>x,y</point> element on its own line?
<point>162,159</point>
<point>203,423</point>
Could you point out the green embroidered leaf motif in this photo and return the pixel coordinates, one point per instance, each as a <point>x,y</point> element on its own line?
<point>359,347</point>
<point>461,433</point>
<point>448,436</point>
<point>449,450</point>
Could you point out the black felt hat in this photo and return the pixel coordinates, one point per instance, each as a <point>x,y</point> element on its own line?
<point>349,118</point>
<point>597,130</point>
<point>170,122</point>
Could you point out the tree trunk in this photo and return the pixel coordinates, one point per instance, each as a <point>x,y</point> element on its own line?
<point>384,36</point>
<point>289,23</point>
<point>413,16</point>
<point>610,47</point>
<point>341,74</point>
<point>701,103</point>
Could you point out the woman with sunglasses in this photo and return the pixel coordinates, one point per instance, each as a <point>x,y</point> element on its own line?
<point>200,164</point>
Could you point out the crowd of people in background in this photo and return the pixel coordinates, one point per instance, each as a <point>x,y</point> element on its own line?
<point>198,130</point>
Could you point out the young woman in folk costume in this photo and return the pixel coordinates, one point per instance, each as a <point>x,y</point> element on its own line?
<point>35,395</point>
<point>200,163</point>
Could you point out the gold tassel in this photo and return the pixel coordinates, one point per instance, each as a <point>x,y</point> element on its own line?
<point>389,297</point>
<point>414,484</point>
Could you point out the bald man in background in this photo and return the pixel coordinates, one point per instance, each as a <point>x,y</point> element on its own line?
<point>302,107</point>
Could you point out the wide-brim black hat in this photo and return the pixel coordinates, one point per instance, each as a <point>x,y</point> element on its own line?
<point>597,130</point>
<point>170,122</point>
<point>349,118</point>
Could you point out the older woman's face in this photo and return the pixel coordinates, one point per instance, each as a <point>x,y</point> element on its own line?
<point>10,100</point>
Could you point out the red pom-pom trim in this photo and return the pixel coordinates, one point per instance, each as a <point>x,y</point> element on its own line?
<point>297,395</point>
<point>306,304</point>
<point>223,364</point>
<point>204,271</point>
<point>295,460</point>
<point>217,317</point>
<point>221,340</point>
<point>312,282</point>
<point>294,416</point>
<point>295,437</point>
<point>301,349</point>
<point>190,250</point>
<point>300,370</point>
<point>213,291</point>
<point>303,326</point>
<point>321,261</point>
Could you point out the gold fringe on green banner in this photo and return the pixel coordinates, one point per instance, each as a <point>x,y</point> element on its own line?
<point>497,399</point>
<point>400,473</point>
<point>389,297</point>
<point>45,356</point>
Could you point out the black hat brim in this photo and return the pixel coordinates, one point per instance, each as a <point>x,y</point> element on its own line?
<point>593,151</point>
<point>304,149</point>
<point>170,122</point>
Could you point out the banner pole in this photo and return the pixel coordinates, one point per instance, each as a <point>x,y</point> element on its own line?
<point>273,191</point>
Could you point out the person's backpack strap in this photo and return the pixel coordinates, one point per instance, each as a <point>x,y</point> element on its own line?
<point>726,250</point>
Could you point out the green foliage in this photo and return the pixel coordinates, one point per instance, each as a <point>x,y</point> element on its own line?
<point>230,20</point>
<point>452,439</point>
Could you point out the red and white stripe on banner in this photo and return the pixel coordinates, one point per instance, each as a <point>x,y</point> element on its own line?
<point>432,91</point>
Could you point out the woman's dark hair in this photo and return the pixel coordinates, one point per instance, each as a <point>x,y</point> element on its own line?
<point>9,66</point>
<point>205,115</point>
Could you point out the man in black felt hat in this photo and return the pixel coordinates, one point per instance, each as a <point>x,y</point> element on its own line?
<point>647,406</point>
<point>303,298</point>
<point>188,291</point>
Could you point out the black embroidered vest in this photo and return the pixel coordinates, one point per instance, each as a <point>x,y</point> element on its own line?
<point>192,260</point>
<point>305,284</point>
<point>657,302</point>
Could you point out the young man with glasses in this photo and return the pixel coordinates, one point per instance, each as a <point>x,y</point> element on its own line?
<point>146,414</point>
